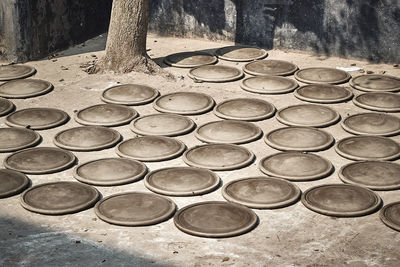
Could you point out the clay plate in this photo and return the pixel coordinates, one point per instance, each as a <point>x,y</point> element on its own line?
<point>390,215</point>
<point>372,124</point>
<point>309,115</point>
<point>215,73</point>
<point>59,198</point>
<point>322,75</point>
<point>12,183</point>
<point>25,88</point>
<point>270,67</point>
<point>245,109</point>
<point>365,147</point>
<point>135,209</point>
<point>37,118</point>
<point>190,59</point>
<point>87,138</point>
<point>376,175</point>
<point>341,200</point>
<point>110,171</point>
<point>40,160</point>
<point>181,181</point>
<point>186,103</point>
<point>323,93</point>
<point>13,139</point>
<point>228,132</point>
<point>15,71</point>
<point>6,106</point>
<point>376,83</point>
<point>299,139</point>
<point>162,125</point>
<point>377,101</point>
<point>215,219</point>
<point>218,157</point>
<point>240,53</point>
<point>269,85</point>
<point>129,94</point>
<point>261,192</point>
<point>105,115</point>
<point>151,148</point>
<point>296,166</point>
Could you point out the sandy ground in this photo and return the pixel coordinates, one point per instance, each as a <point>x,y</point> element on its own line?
<point>291,236</point>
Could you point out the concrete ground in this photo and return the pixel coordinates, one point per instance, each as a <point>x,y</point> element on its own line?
<point>291,236</point>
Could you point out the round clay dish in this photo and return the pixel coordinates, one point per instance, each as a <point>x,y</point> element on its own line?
<point>341,200</point>
<point>15,71</point>
<point>240,53</point>
<point>296,166</point>
<point>299,139</point>
<point>261,192</point>
<point>105,115</point>
<point>365,147</point>
<point>25,88</point>
<point>182,181</point>
<point>129,94</point>
<point>151,148</point>
<point>215,219</point>
<point>215,73</point>
<point>309,115</point>
<point>87,138</point>
<point>244,109</point>
<point>372,124</point>
<point>110,171</point>
<point>37,118</point>
<point>59,198</point>
<point>322,75</point>
<point>190,59</point>
<point>135,209</point>
<point>269,85</point>
<point>390,215</point>
<point>377,101</point>
<point>6,106</point>
<point>376,83</point>
<point>185,103</point>
<point>270,67</point>
<point>376,175</point>
<point>12,183</point>
<point>13,139</point>
<point>40,160</point>
<point>162,125</point>
<point>323,93</point>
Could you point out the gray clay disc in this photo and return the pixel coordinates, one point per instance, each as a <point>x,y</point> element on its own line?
<point>13,139</point>
<point>269,85</point>
<point>37,118</point>
<point>40,160</point>
<point>378,101</point>
<point>59,198</point>
<point>6,106</point>
<point>341,200</point>
<point>372,124</point>
<point>162,125</point>
<point>376,83</point>
<point>228,132</point>
<point>296,166</point>
<point>299,139</point>
<point>182,181</point>
<point>215,219</point>
<point>129,94</point>
<point>110,171</point>
<point>215,73</point>
<point>376,175</point>
<point>365,147</point>
<point>218,157</point>
<point>185,103</point>
<point>322,75</point>
<point>190,59</point>
<point>240,53</point>
<point>12,183</point>
<point>390,215</point>
<point>151,148</point>
<point>135,209</point>
<point>25,88</point>
<point>245,109</point>
<point>105,115</point>
<point>309,115</point>
<point>261,192</point>
<point>270,67</point>
<point>87,138</point>
<point>323,93</point>
<point>15,71</point>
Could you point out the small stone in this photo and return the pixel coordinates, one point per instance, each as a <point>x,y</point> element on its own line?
<point>94,219</point>
<point>61,80</point>
<point>64,68</point>
<point>396,65</point>
<point>369,72</point>
<point>353,64</point>
<point>54,60</point>
<point>361,71</point>
<point>77,241</point>
<point>175,252</point>
<point>99,241</point>
<point>93,55</point>
<point>155,41</point>
<point>382,72</point>
<point>225,259</point>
